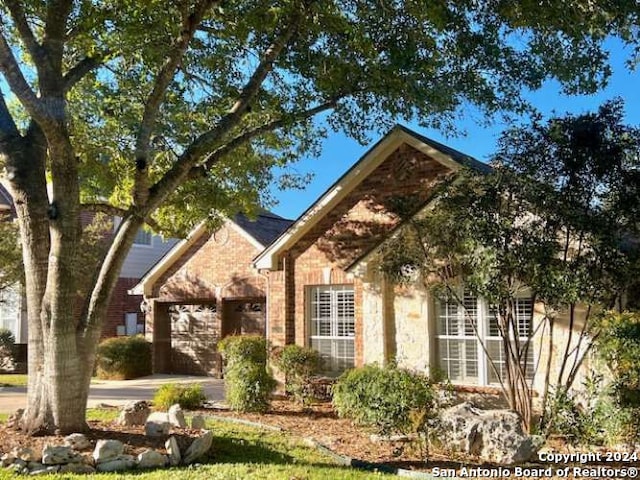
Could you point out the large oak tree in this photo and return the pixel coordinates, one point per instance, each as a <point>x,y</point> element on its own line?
<point>161,111</point>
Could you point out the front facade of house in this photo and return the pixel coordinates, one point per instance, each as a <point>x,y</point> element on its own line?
<point>322,287</point>
<point>204,289</point>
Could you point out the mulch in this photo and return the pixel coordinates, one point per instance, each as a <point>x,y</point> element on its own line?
<point>319,422</point>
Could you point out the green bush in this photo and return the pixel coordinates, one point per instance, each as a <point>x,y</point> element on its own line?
<point>242,348</point>
<point>388,398</point>
<point>596,418</point>
<point>617,345</point>
<point>248,384</point>
<point>188,397</point>
<point>7,341</point>
<point>123,358</point>
<point>298,364</point>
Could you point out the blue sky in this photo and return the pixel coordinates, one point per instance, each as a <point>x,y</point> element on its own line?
<point>340,152</point>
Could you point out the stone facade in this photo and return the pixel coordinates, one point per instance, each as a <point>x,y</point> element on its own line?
<point>328,251</point>
<point>350,230</point>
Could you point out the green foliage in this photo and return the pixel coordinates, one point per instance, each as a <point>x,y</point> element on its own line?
<point>298,364</point>
<point>243,348</point>
<point>248,384</point>
<point>593,416</point>
<point>248,387</point>
<point>618,346</point>
<point>123,358</point>
<point>7,341</point>
<point>188,396</point>
<point>389,399</point>
<point>548,221</point>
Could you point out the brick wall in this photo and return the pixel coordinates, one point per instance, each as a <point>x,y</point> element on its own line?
<point>342,236</point>
<point>217,265</point>
<point>121,303</point>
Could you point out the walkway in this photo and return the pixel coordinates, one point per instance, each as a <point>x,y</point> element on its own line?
<point>119,392</point>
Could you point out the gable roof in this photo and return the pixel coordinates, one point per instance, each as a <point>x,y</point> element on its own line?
<point>265,228</point>
<point>374,157</point>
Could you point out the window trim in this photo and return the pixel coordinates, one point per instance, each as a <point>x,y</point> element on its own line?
<point>481,335</point>
<point>334,322</point>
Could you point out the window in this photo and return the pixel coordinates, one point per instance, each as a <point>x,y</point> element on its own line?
<point>460,348</point>
<point>331,314</point>
<point>143,237</point>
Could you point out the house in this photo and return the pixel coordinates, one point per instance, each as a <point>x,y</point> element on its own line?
<point>124,316</point>
<point>206,288</point>
<point>319,283</point>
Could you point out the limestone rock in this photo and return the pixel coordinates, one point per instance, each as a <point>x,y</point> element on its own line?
<point>77,441</point>
<point>493,435</point>
<point>134,413</point>
<point>7,459</point>
<point>26,453</point>
<point>173,451</point>
<point>157,425</point>
<point>151,459</point>
<point>199,447</point>
<point>18,465</point>
<point>57,454</point>
<point>197,422</point>
<point>107,450</point>
<point>15,418</point>
<point>176,416</point>
<point>117,464</point>
<point>40,469</point>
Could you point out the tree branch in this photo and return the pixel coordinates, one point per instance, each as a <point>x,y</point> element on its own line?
<point>19,17</point>
<point>114,211</point>
<point>201,170</point>
<point>8,127</point>
<point>199,147</point>
<point>79,70</point>
<point>18,84</point>
<point>55,29</point>
<point>190,23</point>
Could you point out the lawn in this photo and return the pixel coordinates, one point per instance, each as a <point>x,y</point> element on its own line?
<point>13,380</point>
<point>242,452</point>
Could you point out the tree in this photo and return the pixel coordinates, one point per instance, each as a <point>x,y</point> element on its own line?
<point>159,111</point>
<point>550,221</point>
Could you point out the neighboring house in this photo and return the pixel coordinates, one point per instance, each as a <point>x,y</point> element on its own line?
<point>321,284</point>
<point>13,307</point>
<point>124,315</point>
<point>206,288</point>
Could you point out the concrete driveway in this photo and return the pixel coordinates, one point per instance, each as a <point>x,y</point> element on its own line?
<point>119,392</point>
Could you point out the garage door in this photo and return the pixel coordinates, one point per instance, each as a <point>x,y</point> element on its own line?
<point>243,317</point>
<point>195,332</point>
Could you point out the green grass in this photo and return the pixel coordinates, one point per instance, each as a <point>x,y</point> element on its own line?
<point>241,452</point>
<point>13,380</point>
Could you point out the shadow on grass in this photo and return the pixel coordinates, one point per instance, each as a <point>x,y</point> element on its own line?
<point>239,450</point>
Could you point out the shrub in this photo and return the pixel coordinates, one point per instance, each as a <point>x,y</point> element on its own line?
<point>617,345</point>
<point>243,348</point>
<point>388,398</point>
<point>248,384</point>
<point>7,341</point>
<point>188,397</point>
<point>123,358</point>
<point>298,364</point>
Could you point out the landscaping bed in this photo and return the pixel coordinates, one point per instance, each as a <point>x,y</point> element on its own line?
<point>238,444</point>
